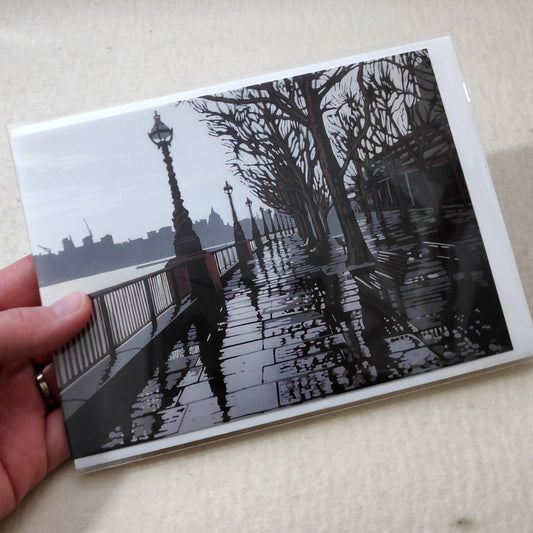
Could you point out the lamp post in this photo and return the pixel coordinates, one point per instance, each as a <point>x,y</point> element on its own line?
<point>255,230</point>
<point>186,242</point>
<point>241,243</point>
<point>292,223</point>
<point>193,269</point>
<point>273,224</point>
<point>281,226</point>
<point>286,223</point>
<point>267,232</point>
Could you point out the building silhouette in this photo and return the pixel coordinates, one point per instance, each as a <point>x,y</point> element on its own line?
<point>94,257</point>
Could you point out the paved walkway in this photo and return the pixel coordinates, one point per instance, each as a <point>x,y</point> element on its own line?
<point>291,329</point>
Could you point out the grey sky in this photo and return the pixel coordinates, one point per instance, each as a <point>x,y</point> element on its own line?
<point>108,171</point>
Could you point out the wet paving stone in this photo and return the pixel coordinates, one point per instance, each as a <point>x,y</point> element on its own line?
<point>293,329</point>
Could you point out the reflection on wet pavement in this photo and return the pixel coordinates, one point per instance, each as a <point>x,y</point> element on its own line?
<point>293,328</point>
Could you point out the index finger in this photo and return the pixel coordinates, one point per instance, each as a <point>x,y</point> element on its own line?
<point>18,285</point>
<point>34,332</point>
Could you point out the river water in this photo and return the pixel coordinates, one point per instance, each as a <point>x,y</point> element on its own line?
<point>98,282</point>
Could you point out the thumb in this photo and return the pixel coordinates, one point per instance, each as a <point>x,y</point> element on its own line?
<point>35,332</point>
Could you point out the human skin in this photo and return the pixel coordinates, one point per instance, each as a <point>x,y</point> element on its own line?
<point>33,440</point>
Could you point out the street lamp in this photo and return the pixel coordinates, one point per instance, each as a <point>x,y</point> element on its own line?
<point>266,230</point>
<point>186,242</point>
<point>160,133</point>
<point>256,234</point>
<point>241,243</point>
<point>286,222</point>
<point>279,223</point>
<point>273,224</point>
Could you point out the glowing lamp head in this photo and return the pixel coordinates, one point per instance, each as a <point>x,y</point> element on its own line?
<point>160,133</point>
<point>228,189</point>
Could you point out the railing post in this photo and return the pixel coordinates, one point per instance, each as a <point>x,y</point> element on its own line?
<point>150,301</point>
<point>107,327</point>
<point>174,291</point>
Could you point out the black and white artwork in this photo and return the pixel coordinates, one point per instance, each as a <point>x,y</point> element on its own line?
<point>260,251</point>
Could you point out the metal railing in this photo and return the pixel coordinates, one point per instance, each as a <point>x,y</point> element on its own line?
<point>119,312</point>
<point>226,258</point>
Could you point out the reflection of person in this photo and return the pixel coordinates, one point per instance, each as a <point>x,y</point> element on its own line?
<point>32,435</point>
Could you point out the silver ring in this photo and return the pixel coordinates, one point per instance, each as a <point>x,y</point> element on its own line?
<point>44,389</point>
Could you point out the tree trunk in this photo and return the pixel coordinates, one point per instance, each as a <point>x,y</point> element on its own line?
<point>363,201</point>
<point>398,191</point>
<point>316,221</point>
<point>304,228</point>
<point>323,212</point>
<point>357,250</point>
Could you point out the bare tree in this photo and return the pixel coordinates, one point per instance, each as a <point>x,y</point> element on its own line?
<point>272,154</point>
<point>299,102</point>
<point>385,116</point>
<point>299,141</point>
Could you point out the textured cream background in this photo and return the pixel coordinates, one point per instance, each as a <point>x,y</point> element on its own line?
<point>458,457</point>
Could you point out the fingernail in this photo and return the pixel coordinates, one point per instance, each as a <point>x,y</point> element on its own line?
<point>67,305</point>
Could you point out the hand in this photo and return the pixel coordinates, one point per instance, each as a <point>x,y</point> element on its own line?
<point>33,440</point>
